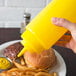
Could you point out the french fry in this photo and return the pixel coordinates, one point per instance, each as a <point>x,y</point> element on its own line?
<point>2,74</point>
<point>13,69</point>
<point>46,74</point>
<point>22,70</point>
<point>42,74</point>
<point>30,73</point>
<point>42,70</point>
<point>19,66</point>
<point>55,74</point>
<point>22,61</point>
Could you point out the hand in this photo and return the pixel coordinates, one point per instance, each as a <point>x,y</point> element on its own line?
<point>71,27</point>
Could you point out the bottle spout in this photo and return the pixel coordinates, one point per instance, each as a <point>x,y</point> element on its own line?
<point>22,52</point>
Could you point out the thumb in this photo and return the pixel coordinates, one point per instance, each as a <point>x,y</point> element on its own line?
<point>64,23</point>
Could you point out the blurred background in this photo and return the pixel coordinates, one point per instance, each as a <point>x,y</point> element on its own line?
<point>12,11</point>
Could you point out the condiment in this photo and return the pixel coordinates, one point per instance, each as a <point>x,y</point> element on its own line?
<point>40,33</point>
<point>4,63</point>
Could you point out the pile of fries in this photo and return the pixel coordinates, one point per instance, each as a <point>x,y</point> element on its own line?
<point>21,69</point>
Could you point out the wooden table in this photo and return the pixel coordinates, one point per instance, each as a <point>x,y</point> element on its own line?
<point>10,34</point>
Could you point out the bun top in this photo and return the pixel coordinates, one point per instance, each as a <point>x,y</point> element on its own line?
<point>44,60</point>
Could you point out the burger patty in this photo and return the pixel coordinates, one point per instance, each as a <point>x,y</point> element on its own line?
<point>13,50</point>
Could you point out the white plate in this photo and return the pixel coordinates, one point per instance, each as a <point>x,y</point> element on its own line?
<point>60,68</point>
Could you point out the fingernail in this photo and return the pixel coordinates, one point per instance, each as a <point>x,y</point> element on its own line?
<point>54,19</point>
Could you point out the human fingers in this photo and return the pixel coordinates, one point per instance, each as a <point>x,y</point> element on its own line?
<point>64,23</point>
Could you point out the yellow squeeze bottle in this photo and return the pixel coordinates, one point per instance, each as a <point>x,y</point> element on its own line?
<point>40,33</point>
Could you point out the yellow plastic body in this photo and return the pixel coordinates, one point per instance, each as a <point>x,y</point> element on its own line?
<point>40,33</point>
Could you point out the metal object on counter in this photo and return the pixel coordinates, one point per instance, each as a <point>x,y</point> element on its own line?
<point>27,17</point>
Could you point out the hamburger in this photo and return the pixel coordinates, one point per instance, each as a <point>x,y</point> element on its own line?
<point>44,60</point>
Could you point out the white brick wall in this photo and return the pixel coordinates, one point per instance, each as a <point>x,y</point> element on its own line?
<point>26,3</point>
<point>33,11</point>
<point>11,14</point>
<point>48,1</point>
<point>2,2</point>
<point>11,11</point>
<point>2,24</point>
<point>13,24</point>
